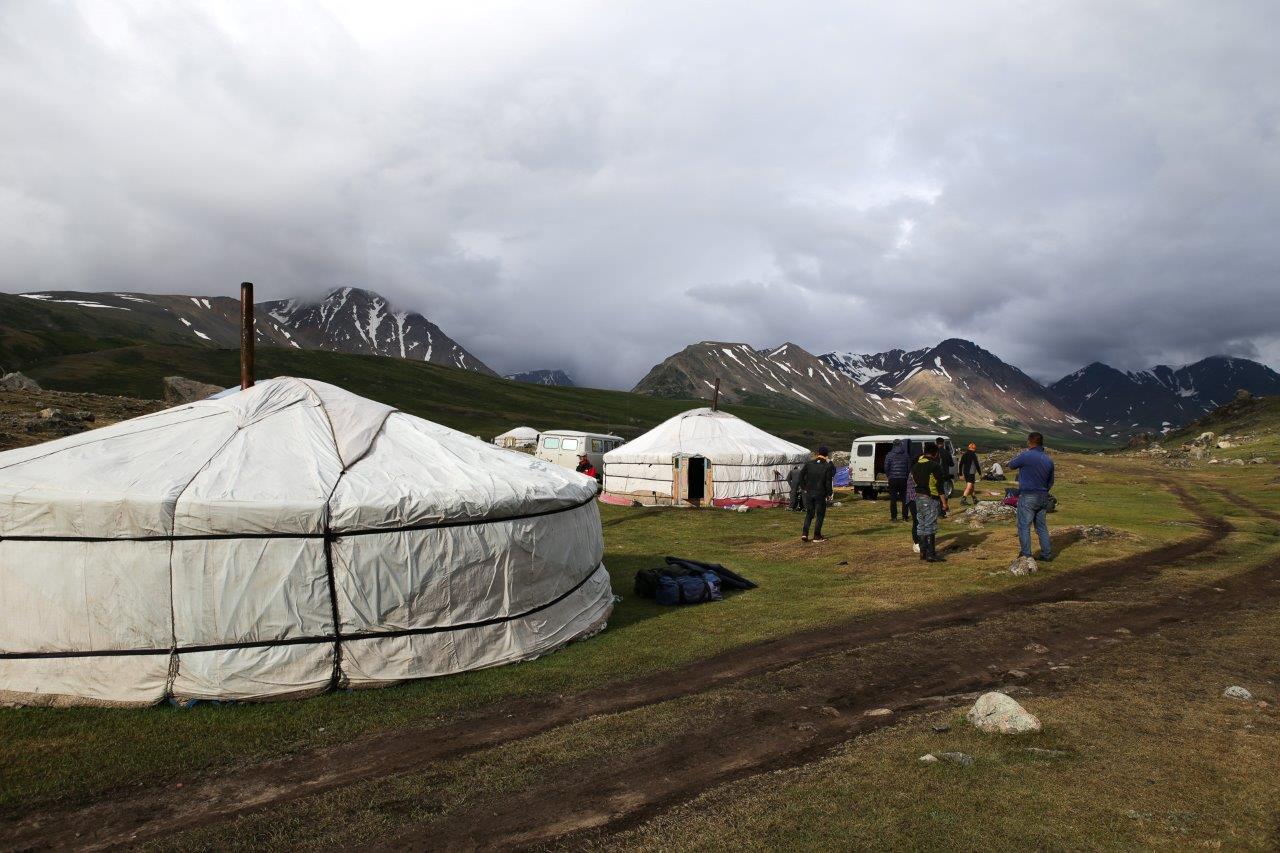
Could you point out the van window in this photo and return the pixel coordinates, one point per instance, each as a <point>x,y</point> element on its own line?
<point>866,449</point>
<point>569,444</point>
<point>551,443</point>
<point>597,446</point>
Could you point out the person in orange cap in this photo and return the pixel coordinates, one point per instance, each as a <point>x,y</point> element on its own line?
<point>969,468</point>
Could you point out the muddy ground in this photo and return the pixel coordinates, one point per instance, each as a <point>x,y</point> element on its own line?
<point>791,701</point>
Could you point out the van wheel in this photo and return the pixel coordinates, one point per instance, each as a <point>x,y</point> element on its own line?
<point>868,494</point>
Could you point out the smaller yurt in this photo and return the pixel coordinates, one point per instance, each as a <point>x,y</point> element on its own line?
<point>282,541</point>
<point>518,437</point>
<point>702,457</point>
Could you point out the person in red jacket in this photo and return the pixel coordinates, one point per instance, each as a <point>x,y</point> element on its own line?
<point>585,467</point>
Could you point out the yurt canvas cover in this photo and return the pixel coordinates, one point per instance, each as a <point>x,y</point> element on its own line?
<point>278,542</point>
<point>737,463</point>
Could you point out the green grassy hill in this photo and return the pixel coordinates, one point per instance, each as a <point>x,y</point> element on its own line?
<point>33,331</point>
<point>464,400</point>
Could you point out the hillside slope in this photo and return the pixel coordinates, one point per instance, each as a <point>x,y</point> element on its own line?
<point>346,319</point>
<point>787,376</point>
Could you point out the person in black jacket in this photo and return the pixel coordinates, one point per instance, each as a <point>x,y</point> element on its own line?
<point>816,484</point>
<point>970,467</point>
<point>897,467</point>
<point>931,501</point>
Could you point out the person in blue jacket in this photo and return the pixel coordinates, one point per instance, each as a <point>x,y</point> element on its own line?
<point>1035,481</point>
<point>897,468</point>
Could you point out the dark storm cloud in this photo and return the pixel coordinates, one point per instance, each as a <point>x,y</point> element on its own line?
<point>595,185</point>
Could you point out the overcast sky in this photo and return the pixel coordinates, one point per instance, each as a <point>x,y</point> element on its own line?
<point>594,185</point>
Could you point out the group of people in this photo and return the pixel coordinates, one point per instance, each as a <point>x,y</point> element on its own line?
<point>920,486</point>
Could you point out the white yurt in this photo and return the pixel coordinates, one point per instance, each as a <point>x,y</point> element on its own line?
<point>519,437</point>
<point>279,542</point>
<point>702,457</point>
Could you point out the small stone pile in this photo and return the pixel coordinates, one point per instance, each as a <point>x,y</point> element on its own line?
<point>985,512</point>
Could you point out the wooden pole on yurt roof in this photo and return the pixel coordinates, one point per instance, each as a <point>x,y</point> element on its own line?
<point>246,335</point>
<point>715,397</point>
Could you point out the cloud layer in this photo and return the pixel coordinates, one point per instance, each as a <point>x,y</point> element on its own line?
<point>592,186</point>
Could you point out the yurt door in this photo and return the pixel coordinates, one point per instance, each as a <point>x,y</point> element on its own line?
<point>695,479</point>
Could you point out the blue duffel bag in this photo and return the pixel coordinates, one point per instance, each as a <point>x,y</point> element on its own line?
<point>688,589</point>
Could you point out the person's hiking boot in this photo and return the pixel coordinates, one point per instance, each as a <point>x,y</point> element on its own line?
<point>1046,558</point>
<point>804,537</point>
<point>933,550</point>
<point>819,539</point>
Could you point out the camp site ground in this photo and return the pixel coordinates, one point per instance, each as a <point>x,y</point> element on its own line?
<point>745,723</point>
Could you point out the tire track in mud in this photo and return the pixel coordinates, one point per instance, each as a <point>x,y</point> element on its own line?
<point>220,797</point>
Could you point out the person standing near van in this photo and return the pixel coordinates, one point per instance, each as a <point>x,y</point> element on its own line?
<point>1035,481</point>
<point>969,468</point>
<point>817,483</point>
<point>930,501</point>
<point>897,468</point>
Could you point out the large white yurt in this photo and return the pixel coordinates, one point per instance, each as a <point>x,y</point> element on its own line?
<point>278,542</point>
<point>522,436</point>
<point>702,457</point>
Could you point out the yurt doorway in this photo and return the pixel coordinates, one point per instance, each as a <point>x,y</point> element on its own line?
<point>695,484</point>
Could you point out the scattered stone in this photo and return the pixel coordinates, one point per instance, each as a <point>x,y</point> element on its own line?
<point>961,758</point>
<point>1225,445</point>
<point>1258,460</point>
<point>1236,462</point>
<point>998,713</point>
<point>1235,691</point>
<point>179,390</point>
<point>929,758</point>
<point>879,712</point>
<point>1037,648</point>
<point>828,711</point>
<point>1045,753</point>
<point>942,728</point>
<point>1023,566</point>
<point>1123,631</point>
<point>1017,673</point>
<point>805,727</point>
<point>18,382</point>
<point>985,512</point>
<point>1264,704</point>
<point>50,414</point>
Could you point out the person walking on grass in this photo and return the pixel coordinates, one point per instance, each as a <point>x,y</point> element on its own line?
<point>930,501</point>
<point>816,484</point>
<point>897,468</point>
<point>1035,481</point>
<point>969,468</point>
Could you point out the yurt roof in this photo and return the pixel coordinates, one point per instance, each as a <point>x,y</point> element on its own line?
<point>523,432</point>
<point>716,435</point>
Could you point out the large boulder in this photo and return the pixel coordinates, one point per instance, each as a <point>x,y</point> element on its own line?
<point>180,389</point>
<point>18,382</point>
<point>1000,714</point>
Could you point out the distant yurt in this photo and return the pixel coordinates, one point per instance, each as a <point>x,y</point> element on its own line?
<point>702,457</point>
<point>279,542</point>
<point>518,437</point>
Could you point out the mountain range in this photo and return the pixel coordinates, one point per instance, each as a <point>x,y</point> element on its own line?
<point>956,383</point>
<point>556,378</point>
<point>1162,396</point>
<point>346,319</point>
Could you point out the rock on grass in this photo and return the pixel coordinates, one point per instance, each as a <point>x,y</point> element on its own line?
<point>1000,714</point>
<point>1235,691</point>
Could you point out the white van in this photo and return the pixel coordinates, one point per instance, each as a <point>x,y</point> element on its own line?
<point>866,460</point>
<point>564,446</point>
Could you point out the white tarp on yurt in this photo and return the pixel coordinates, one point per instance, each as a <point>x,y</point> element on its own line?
<point>518,437</point>
<point>278,542</point>
<point>743,465</point>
